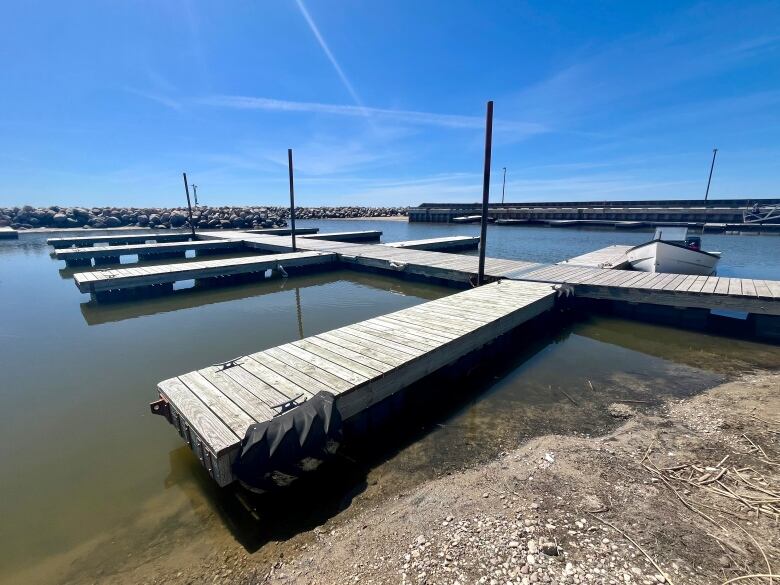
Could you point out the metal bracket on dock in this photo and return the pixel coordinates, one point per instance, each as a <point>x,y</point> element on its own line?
<point>398,266</point>
<point>228,364</point>
<point>288,405</point>
<point>281,269</point>
<point>564,289</point>
<point>162,408</point>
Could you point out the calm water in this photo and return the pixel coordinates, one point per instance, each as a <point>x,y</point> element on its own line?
<point>91,484</point>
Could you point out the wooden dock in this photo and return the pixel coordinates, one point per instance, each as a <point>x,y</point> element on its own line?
<point>144,237</point>
<point>446,244</point>
<point>359,365</point>
<point>354,367</point>
<point>111,254</point>
<point>613,257</point>
<point>7,233</point>
<point>100,282</point>
<point>359,236</point>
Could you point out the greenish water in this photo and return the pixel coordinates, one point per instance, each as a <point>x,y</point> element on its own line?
<point>92,484</point>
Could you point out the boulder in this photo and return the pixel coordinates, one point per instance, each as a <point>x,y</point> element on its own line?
<point>178,219</point>
<point>60,220</point>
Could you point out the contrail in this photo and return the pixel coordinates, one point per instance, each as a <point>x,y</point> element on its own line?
<point>330,56</point>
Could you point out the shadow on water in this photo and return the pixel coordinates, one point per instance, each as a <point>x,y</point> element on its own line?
<point>97,313</point>
<point>454,419</point>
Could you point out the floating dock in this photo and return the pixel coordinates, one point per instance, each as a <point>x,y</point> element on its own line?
<point>159,237</point>
<point>610,257</point>
<point>112,254</point>
<point>156,279</point>
<point>359,365</point>
<point>7,233</point>
<point>272,409</point>
<point>447,244</point>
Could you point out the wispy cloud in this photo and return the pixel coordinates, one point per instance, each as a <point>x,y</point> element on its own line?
<point>401,116</point>
<point>329,54</point>
<point>166,101</point>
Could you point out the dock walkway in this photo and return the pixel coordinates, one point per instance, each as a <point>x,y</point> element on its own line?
<point>359,364</point>
<point>610,257</point>
<point>7,233</point>
<point>137,277</point>
<point>111,254</point>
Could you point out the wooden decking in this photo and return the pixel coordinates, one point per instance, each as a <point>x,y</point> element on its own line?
<point>119,239</point>
<point>7,233</point>
<point>98,281</point>
<point>76,256</point>
<point>609,257</point>
<point>678,290</point>
<point>360,364</point>
<point>169,236</point>
<point>445,244</point>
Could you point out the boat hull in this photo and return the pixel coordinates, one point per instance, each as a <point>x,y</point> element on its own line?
<point>663,257</point>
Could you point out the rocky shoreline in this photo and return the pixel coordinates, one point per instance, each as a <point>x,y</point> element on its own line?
<point>226,217</point>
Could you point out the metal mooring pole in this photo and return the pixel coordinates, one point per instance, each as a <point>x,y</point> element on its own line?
<point>189,205</point>
<point>709,179</point>
<point>485,192</point>
<point>292,198</point>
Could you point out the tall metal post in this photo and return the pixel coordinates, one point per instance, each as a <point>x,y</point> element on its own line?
<point>292,198</point>
<point>485,192</point>
<point>503,188</point>
<point>189,205</point>
<point>195,194</point>
<point>709,180</point>
<point>707,192</point>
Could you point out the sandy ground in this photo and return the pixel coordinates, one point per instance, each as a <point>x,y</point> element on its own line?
<point>689,493</point>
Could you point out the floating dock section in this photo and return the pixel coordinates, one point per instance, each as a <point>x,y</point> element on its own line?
<point>102,284</point>
<point>447,244</point>
<point>256,398</point>
<point>613,257</point>
<point>7,233</point>
<point>112,254</point>
<point>170,236</point>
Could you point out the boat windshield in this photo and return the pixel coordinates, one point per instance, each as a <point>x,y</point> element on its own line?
<point>671,233</point>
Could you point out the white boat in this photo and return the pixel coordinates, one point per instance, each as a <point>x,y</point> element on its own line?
<point>673,251</point>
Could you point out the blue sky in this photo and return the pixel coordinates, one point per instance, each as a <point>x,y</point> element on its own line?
<point>383,102</point>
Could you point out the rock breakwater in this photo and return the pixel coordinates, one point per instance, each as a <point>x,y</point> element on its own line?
<point>226,217</point>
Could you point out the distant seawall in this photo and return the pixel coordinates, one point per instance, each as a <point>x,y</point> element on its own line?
<point>59,217</point>
<point>725,211</point>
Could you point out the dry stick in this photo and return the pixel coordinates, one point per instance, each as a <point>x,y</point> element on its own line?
<point>569,397</point>
<point>591,386</point>
<point>632,401</point>
<point>649,558</point>
<point>761,550</point>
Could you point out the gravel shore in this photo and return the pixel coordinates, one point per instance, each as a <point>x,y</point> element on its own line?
<point>562,509</point>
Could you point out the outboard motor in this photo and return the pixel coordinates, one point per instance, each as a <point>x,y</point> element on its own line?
<point>693,242</point>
